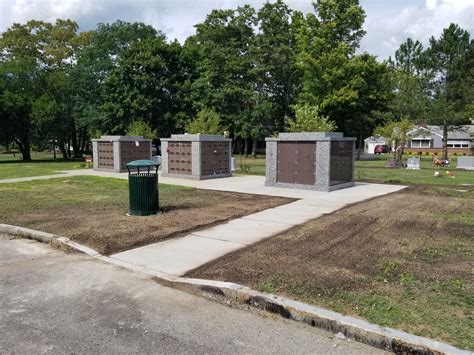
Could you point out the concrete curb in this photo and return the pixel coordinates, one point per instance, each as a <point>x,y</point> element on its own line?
<point>353,328</point>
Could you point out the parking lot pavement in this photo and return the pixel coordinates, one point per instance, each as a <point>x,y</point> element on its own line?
<point>51,302</point>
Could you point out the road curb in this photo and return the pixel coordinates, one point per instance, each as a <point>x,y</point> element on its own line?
<point>352,328</point>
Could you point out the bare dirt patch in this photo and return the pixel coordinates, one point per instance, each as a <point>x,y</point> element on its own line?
<point>92,211</point>
<point>403,260</point>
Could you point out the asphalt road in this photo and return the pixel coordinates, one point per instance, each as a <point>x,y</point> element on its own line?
<point>52,302</point>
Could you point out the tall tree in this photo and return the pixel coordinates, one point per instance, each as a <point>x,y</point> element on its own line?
<point>224,65</point>
<point>409,82</point>
<point>276,73</point>
<point>346,87</point>
<point>447,59</point>
<point>27,54</point>
<point>144,86</point>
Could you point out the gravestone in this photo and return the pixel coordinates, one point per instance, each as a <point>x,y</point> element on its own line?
<point>413,163</point>
<point>390,163</point>
<point>466,163</point>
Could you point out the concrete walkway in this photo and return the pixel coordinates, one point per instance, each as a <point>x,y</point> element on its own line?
<point>180,255</point>
<point>30,178</point>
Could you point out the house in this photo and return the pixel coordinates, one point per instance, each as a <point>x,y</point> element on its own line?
<point>371,142</point>
<point>430,139</point>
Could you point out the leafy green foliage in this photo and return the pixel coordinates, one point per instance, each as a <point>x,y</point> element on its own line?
<point>140,128</point>
<point>206,121</point>
<point>346,87</point>
<point>308,119</point>
<point>145,86</point>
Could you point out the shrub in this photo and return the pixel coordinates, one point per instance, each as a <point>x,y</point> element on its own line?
<point>141,128</point>
<point>308,119</point>
<point>206,121</point>
<point>455,154</point>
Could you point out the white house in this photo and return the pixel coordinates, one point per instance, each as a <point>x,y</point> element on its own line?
<point>371,142</point>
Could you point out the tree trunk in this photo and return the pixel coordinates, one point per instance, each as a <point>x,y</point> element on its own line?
<point>254,148</point>
<point>246,147</point>
<point>62,148</point>
<point>54,150</point>
<point>24,146</point>
<point>445,141</point>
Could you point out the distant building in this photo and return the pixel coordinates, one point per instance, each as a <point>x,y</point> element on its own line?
<point>430,139</point>
<point>371,142</point>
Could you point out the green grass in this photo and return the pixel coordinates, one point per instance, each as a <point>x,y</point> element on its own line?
<point>428,308</point>
<point>77,191</point>
<point>42,164</point>
<point>375,170</point>
<point>424,176</point>
<point>250,166</point>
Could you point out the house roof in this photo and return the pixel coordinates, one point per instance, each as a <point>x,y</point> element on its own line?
<point>460,132</point>
<point>375,139</point>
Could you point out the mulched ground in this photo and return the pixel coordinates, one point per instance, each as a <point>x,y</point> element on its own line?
<point>340,249</point>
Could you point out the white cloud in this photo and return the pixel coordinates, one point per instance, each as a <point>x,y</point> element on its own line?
<point>389,22</point>
<point>387,28</point>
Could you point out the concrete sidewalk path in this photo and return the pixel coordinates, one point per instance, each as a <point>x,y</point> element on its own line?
<point>30,178</point>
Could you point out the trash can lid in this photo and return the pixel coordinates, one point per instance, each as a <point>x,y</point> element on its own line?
<point>142,163</point>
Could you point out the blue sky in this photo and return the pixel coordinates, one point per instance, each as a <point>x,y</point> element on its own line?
<point>388,22</point>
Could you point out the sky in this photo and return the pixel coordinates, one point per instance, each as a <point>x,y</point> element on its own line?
<point>388,22</point>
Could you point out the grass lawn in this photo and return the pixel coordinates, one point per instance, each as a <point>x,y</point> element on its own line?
<point>250,166</point>
<point>92,210</point>
<point>403,261</point>
<point>42,164</point>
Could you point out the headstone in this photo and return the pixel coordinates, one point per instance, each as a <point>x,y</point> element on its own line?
<point>390,163</point>
<point>413,163</point>
<point>466,163</point>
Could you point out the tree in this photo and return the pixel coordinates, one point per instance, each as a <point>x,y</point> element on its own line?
<point>447,59</point>
<point>206,121</point>
<point>396,134</point>
<point>308,119</point>
<point>28,53</point>
<point>276,74</point>
<point>225,62</point>
<point>145,85</point>
<point>347,88</point>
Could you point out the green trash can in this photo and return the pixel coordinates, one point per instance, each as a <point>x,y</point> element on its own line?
<point>143,187</point>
